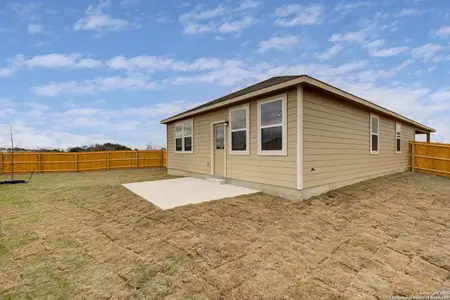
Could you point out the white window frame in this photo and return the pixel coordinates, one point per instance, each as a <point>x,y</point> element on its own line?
<point>283,151</point>
<point>371,133</point>
<point>247,130</point>
<point>190,121</point>
<point>398,129</point>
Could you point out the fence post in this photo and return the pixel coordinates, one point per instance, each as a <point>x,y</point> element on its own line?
<point>76,161</point>
<point>162,158</point>
<point>137,159</point>
<point>412,156</point>
<point>107,161</point>
<point>39,162</point>
<point>1,164</point>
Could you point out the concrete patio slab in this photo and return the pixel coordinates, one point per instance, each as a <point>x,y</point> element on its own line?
<point>170,193</point>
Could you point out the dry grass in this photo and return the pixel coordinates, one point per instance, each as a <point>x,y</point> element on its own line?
<point>84,236</point>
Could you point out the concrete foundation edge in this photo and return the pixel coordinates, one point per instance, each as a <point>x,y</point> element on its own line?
<point>284,192</point>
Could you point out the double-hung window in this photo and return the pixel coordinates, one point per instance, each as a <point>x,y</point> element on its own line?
<point>374,134</point>
<point>239,128</point>
<point>398,138</point>
<point>183,137</point>
<point>272,126</point>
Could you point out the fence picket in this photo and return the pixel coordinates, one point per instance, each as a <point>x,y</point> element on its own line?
<point>48,162</point>
<point>430,158</point>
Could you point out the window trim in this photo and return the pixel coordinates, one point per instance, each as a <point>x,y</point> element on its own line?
<point>181,123</point>
<point>398,128</point>
<point>371,133</point>
<point>247,130</point>
<point>283,151</point>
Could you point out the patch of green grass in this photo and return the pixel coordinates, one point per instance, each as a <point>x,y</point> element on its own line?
<point>3,249</point>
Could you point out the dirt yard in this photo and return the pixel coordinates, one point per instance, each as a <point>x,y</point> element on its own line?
<point>84,236</point>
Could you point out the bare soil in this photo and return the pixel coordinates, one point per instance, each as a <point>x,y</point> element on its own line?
<point>84,236</point>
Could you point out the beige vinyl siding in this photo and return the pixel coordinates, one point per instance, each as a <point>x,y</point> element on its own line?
<point>200,160</point>
<point>273,170</point>
<point>336,142</point>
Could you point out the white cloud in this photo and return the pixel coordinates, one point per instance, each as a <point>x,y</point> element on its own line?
<point>372,75</point>
<point>88,63</point>
<point>228,73</point>
<point>191,19</point>
<point>31,137</point>
<point>407,12</point>
<point>130,2</point>
<point>161,17</point>
<point>279,43</point>
<point>96,20</point>
<point>26,11</point>
<point>237,26</point>
<point>195,28</point>
<point>158,63</point>
<point>346,8</point>
<point>60,61</point>
<point>388,51</point>
<point>148,63</point>
<point>7,71</point>
<point>427,51</point>
<point>4,102</point>
<point>325,72</point>
<point>370,29</point>
<point>100,84</point>
<point>289,15</point>
<point>249,4</point>
<point>375,50</point>
<point>353,37</point>
<point>39,126</point>
<point>441,96</point>
<point>232,73</point>
<point>376,44</point>
<point>202,63</point>
<point>49,61</point>
<point>329,53</point>
<point>220,19</point>
<point>34,29</point>
<point>443,31</point>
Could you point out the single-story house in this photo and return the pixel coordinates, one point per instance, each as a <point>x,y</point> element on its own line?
<point>293,136</point>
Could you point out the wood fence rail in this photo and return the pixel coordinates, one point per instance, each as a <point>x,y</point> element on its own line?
<point>51,162</point>
<point>429,158</point>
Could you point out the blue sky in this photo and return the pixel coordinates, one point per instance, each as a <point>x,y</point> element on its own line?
<point>80,72</point>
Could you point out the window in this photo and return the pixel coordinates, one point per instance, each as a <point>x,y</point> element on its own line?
<point>272,128</point>
<point>374,134</point>
<point>183,136</point>
<point>220,137</point>
<point>398,138</point>
<point>239,124</point>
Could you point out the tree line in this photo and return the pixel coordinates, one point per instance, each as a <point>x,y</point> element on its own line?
<point>90,148</point>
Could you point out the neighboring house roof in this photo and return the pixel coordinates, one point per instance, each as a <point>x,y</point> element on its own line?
<point>282,82</point>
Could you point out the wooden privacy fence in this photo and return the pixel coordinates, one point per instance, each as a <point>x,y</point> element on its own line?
<point>430,158</point>
<point>50,162</point>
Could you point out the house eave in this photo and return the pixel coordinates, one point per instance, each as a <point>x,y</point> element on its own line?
<point>304,79</point>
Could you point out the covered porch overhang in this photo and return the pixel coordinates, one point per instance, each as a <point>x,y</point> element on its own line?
<point>423,132</point>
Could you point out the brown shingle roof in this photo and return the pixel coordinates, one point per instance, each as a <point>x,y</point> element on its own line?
<point>277,83</point>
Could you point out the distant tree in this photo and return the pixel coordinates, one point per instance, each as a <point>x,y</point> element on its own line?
<point>12,150</point>
<point>99,147</point>
<point>149,146</point>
